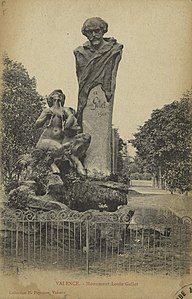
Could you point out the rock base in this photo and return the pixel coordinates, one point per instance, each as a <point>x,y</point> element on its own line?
<point>76,194</point>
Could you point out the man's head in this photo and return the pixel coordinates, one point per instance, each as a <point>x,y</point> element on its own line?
<point>94,29</point>
<point>56,98</point>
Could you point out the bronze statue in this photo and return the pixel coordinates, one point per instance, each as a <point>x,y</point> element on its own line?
<point>62,135</point>
<point>96,62</point>
<point>96,67</point>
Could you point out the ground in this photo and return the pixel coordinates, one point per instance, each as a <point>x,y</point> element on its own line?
<point>157,199</point>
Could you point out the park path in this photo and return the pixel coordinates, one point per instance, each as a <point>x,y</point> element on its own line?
<point>148,200</point>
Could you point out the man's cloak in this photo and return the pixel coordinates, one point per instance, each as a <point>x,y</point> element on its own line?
<point>94,67</point>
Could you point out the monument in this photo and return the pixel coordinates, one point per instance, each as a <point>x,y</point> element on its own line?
<point>73,153</point>
<point>96,67</point>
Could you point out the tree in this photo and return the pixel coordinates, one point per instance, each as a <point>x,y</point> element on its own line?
<point>138,169</point>
<point>20,107</point>
<point>119,158</point>
<point>121,153</point>
<point>164,144</point>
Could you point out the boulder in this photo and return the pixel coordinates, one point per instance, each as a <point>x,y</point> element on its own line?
<point>44,202</point>
<point>83,195</point>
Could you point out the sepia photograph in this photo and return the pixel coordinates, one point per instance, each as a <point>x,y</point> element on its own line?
<point>96,149</point>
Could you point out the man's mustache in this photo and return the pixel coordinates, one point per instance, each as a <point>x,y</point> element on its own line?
<point>95,38</point>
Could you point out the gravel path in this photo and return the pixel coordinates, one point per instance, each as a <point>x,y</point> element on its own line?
<point>144,197</point>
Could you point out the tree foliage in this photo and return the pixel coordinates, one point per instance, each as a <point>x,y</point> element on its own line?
<point>121,152</point>
<point>164,143</point>
<point>138,169</point>
<point>20,107</point>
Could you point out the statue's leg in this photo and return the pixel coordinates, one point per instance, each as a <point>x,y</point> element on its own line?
<point>81,143</point>
<point>48,144</point>
<point>79,147</point>
<point>59,152</point>
<point>52,145</point>
<point>74,149</point>
<point>78,165</point>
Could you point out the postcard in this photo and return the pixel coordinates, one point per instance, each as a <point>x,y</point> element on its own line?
<point>96,149</point>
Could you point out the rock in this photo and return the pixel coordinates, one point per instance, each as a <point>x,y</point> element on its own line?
<point>23,197</point>
<point>114,185</point>
<point>44,202</point>
<point>54,182</point>
<point>82,195</point>
<point>29,185</point>
<point>18,197</point>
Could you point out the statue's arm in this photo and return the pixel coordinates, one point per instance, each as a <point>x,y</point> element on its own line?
<point>110,76</point>
<point>80,62</point>
<point>45,116</point>
<point>70,119</point>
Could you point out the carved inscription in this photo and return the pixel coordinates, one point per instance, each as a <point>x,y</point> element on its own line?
<point>95,103</point>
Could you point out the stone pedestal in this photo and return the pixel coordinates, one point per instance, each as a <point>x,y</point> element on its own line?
<point>97,121</point>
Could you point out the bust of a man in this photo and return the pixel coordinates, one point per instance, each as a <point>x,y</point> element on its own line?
<point>94,29</point>
<point>96,61</point>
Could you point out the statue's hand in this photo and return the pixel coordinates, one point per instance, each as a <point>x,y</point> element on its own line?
<point>108,95</point>
<point>46,115</point>
<point>49,116</point>
<point>49,112</point>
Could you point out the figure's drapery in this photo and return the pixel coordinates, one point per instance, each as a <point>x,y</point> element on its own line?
<point>96,67</point>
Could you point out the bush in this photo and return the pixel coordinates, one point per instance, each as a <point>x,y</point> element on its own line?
<point>141,176</point>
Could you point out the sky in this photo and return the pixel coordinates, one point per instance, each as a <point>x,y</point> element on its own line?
<point>156,66</point>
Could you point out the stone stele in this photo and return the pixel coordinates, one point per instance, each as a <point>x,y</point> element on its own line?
<point>97,122</point>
